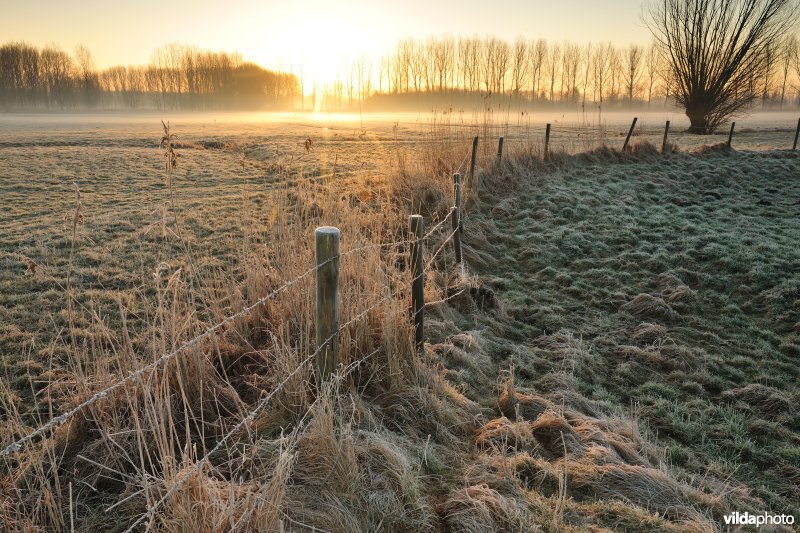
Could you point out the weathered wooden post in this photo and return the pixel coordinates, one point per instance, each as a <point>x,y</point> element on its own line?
<point>472,162</point>
<point>455,215</point>
<point>500,151</point>
<point>457,199</point>
<point>547,141</point>
<point>630,132</point>
<point>417,278</point>
<point>730,135</point>
<point>664,142</point>
<point>796,135</point>
<point>327,247</point>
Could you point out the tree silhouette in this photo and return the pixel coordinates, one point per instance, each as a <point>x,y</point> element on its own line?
<point>716,48</point>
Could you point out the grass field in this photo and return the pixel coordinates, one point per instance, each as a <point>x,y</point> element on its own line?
<point>664,291</point>
<point>623,354</point>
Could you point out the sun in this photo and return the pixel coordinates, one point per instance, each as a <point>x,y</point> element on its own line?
<point>321,49</point>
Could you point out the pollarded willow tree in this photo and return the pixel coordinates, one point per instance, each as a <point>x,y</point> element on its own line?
<point>714,48</point>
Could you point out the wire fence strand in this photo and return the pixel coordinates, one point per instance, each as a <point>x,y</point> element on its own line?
<point>19,444</point>
<point>250,417</point>
<point>198,464</point>
<point>437,226</point>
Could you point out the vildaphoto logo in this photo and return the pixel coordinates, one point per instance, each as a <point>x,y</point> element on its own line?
<point>746,519</point>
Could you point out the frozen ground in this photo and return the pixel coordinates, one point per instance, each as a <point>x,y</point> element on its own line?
<point>628,292</point>
<point>573,130</point>
<point>114,160</point>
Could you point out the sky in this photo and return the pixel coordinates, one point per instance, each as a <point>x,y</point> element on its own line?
<point>309,36</point>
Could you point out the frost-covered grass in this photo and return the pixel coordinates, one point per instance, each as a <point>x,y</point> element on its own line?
<point>624,353</point>
<point>664,290</point>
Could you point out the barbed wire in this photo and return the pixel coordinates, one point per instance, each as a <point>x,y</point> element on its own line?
<point>376,245</point>
<point>198,464</point>
<point>437,226</point>
<point>458,170</point>
<point>429,263</point>
<point>445,300</point>
<point>61,419</point>
<point>249,417</point>
<point>441,246</point>
<point>19,444</point>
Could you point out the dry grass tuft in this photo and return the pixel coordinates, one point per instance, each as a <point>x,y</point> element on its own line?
<point>767,401</point>
<point>648,332</point>
<point>648,306</point>
<point>480,509</point>
<point>556,435</point>
<point>642,486</point>
<point>519,405</point>
<point>713,149</point>
<point>504,435</point>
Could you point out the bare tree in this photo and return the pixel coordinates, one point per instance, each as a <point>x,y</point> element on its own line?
<point>601,67</point>
<point>714,46</point>
<point>587,66</point>
<point>633,71</point>
<point>553,64</point>
<point>538,55</point>
<point>614,71</point>
<point>571,63</point>
<point>652,65</point>
<point>769,68</point>
<point>519,66</point>
<point>788,53</point>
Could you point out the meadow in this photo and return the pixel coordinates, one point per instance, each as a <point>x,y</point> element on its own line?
<point>619,350</point>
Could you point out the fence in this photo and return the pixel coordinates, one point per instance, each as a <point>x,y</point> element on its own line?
<point>326,268</point>
<point>603,136</point>
<point>328,327</point>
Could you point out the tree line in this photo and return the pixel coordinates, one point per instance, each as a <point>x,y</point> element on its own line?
<point>533,72</point>
<point>177,77</point>
<point>541,71</point>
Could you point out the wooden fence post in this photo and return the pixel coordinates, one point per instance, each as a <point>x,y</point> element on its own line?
<point>472,162</point>
<point>730,135</point>
<point>664,142</point>
<point>796,135</point>
<point>327,249</point>
<point>500,151</point>
<point>630,132</point>
<point>455,215</point>
<point>547,141</point>
<point>457,199</point>
<point>417,278</point>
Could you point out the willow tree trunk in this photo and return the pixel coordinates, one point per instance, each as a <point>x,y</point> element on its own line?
<point>698,114</point>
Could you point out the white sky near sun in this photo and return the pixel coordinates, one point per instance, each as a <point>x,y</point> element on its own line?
<point>313,37</point>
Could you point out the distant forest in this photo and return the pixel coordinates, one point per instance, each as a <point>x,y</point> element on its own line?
<point>178,77</point>
<point>434,73</point>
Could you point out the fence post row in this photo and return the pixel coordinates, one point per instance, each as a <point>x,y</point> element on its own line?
<point>500,150</point>
<point>417,278</point>
<point>630,132</point>
<point>730,135</point>
<point>455,215</point>
<point>547,141</point>
<point>664,142</point>
<point>327,327</point>
<point>472,162</point>
<point>457,199</point>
